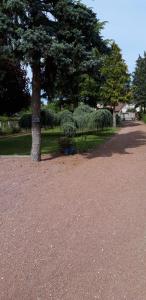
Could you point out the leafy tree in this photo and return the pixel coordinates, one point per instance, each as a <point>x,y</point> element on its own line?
<point>89,90</point>
<point>81,29</point>
<point>14,92</point>
<point>39,30</point>
<point>115,87</point>
<point>100,119</point>
<point>139,81</point>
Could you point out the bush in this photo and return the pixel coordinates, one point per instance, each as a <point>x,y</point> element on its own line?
<point>48,118</point>
<point>25,121</point>
<point>83,108</point>
<point>144,118</point>
<point>65,116</point>
<point>100,119</point>
<point>69,129</point>
<point>82,116</point>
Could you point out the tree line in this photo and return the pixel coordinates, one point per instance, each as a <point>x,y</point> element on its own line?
<point>61,40</point>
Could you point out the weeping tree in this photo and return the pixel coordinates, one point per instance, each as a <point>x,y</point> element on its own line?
<point>100,119</point>
<point>82,116</point>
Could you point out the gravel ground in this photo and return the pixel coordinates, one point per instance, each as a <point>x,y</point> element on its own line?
<point>74,228</point>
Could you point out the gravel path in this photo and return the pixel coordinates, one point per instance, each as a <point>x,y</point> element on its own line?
<point>74,228</point>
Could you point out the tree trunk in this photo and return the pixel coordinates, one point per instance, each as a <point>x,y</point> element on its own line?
<point>36,107</point>
<point>114,119</point>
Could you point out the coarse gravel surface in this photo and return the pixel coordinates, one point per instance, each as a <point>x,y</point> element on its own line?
<point>74,228</point>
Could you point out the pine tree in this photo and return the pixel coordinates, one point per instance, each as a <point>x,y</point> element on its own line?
<point>139,81</point>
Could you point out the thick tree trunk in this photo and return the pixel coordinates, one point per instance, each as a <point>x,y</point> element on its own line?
<point>36,106</point>
<point>114,119</point>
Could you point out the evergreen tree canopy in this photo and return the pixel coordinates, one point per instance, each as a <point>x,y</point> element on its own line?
<point>139,81</point>
<point>115,87</point>
<point>14,92</point>
<point>81,30</point>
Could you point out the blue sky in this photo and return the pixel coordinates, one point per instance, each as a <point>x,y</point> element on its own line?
<point>126,25</point>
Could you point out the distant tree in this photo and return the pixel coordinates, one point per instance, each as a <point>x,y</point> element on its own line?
<point>139,81</point>
<point>89,90</point>
<point>14,92</point>
<point>116,79</point>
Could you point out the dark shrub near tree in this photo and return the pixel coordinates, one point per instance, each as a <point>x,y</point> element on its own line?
<point>14,92</point>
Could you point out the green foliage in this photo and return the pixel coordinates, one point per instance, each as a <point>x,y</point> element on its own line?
<point>144,118</point>
<point>139,81</point>
<point>65,116</point>
<point>54,106</point>
<point>21,144</point>
<point>100,119</point>
<point>82,108</point>
<point>115,87</point>
<point>89,89</point>
<point>25,121</point>
<point>82,116</point>
<point>69,129</point>
<point>14,93</point>
<point>48,119</point>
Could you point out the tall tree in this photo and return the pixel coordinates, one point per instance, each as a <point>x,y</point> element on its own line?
<point>82,30</point>
<point>139,81</point>
<point>40,29</point>
<point>116,80</point>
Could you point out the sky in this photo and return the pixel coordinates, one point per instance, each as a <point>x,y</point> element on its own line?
<point>126,25</point>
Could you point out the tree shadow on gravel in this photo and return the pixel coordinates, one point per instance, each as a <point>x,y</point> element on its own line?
<point>119,144</point>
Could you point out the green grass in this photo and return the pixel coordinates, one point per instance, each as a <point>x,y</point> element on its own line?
<point>144,118</point>
<point>21,144</point>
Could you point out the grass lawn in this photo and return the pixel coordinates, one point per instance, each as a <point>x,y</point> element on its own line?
<point>21,144</point>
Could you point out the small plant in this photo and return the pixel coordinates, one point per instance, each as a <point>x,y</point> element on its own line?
<point>69,129</point>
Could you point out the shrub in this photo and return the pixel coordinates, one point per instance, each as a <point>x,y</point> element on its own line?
<point>82,116</point>
<point>82,121</point>
<point>25,121</point>
<point>69,129</point>
<point>144,118</point>
<point>48,118</point>
<point>100,119</point>
<point>65,116</point>
<point>83,108</point>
